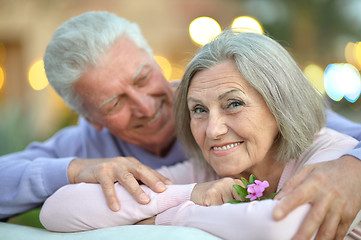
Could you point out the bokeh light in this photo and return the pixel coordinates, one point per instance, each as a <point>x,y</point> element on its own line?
<point>247,24</point>
<point>37,77</point>
<point>177,73</point>
<point>357,54</point>
<point>203,29</point>
<point>342,80</point>
<point>165,65</point>
<point>315,74</point>
<point>353,54</point>
<point>2,77</point>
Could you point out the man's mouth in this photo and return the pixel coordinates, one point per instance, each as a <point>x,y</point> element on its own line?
<point>155,118</point>
<point>227,146</point>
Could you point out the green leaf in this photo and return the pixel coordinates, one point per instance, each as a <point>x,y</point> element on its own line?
<point>241,191</point>
<point>272,195</point>
<point>252,178</point>
<point>234,201</point>
<point>245,182</point>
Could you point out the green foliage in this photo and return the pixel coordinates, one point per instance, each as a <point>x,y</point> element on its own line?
<point>16,128</point>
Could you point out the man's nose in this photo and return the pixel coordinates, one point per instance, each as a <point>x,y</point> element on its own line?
<point>216,127</point>
<point>141,103</point>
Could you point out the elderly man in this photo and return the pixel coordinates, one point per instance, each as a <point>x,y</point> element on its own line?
<point>104,70</point>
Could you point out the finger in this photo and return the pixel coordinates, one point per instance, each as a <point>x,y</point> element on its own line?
<point>297,197</point>
<point>294,182</point>
<point>328,227</point>
<point>313,219</point>
<point>342,230</point>
<point>225,197</point>
<point>108,189</point>
<point>150,177</point>
<point>127,180</point>
<point>154,180</point>
<point>298,191</point>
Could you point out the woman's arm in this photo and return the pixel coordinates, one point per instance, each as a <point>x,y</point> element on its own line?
<point>251,220</point>
<point>81,207</point>
<point>236,221</point>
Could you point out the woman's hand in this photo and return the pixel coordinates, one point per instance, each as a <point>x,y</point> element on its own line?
<point>216,192</point>
<point>332,188</point>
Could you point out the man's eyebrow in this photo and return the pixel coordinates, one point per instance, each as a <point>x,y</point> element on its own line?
<point>108,100</point>
<point>137,73</point>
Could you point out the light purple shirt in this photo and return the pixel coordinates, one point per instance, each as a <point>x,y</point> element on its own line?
<point>28,177</point>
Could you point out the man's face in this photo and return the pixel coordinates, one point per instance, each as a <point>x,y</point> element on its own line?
<point>128,94</point>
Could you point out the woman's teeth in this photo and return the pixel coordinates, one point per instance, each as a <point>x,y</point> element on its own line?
<point>225,147</point>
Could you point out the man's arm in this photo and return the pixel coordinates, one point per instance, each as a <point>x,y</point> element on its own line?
<point>27,178</point>
<point>328,187</point>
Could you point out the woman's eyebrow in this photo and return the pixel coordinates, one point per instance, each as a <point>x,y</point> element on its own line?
<point>223,95</point>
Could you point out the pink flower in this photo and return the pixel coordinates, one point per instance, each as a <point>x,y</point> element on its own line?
<point>256,189</point>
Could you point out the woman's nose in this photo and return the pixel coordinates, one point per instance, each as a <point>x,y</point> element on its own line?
<point>216,127</point>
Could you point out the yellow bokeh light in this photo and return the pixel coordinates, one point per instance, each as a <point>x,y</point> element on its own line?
<point>247,24</point>
<point>203,29</point>
<point>353,54</point>
<point>349,52</point>
<point>2,77</point>
<point>37,77</point>
<point>165,65</point>
<point>177,73</point>
<point>357,54</point>
<point>315,74</point>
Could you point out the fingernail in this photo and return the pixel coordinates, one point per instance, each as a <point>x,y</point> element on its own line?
<point>160,186</point>
<point>278,214</point>
<point>115,207</point>
<point>144,198</point>
<point>168,182</point>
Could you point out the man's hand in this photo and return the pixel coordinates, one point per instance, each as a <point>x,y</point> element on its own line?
<point>216,192</point>
<point>330,188</point>
<point>125,170</point>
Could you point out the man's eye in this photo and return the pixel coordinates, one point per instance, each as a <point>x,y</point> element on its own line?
<point>142,80</point>
<point>116,104</point>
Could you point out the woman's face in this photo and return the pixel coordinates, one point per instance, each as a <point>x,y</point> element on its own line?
<point>230,121</point>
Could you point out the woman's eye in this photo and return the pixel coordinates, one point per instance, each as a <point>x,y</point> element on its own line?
<point>235,104</point>
<point>198,110</point>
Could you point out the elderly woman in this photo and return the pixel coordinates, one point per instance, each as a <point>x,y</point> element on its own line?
<point>243,107</point>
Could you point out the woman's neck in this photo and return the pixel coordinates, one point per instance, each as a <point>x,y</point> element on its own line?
<point>270,170</point>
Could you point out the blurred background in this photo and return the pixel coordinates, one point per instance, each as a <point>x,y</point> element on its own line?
<point>322,35</point>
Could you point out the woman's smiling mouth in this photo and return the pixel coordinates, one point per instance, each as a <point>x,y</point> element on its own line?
<point>226,147</point>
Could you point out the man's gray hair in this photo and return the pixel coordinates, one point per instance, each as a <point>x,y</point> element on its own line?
<point>297,107</point>
<point>78,44</point>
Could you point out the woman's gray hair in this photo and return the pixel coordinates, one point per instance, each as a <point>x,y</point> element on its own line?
<point>297,107</point>
<point>78,44</point>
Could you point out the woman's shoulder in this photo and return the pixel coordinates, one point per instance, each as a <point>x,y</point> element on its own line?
<point>328,145</point>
